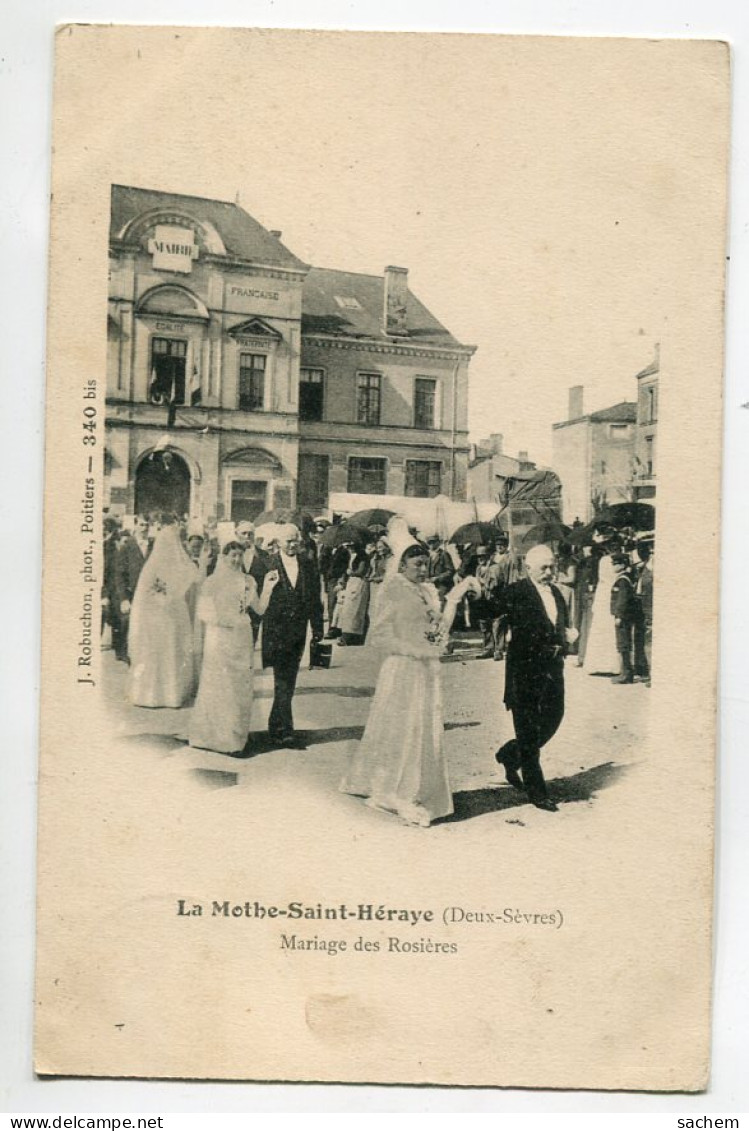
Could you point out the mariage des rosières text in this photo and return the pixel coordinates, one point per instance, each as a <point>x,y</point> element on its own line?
<point>88,618</point>
<point>395,930</point>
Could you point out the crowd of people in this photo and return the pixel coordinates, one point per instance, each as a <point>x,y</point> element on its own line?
<point>187,610</point>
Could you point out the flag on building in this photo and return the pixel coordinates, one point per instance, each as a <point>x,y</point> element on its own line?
<point>195,388</point>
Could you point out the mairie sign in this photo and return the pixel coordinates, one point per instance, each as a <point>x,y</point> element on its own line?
<point>173,249</point>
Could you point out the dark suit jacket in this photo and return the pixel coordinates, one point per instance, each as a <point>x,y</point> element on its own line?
<point>537,647</point>
<point>441,571</point>
<point>623,599</point>
<point>261,563</point>
<point>128,563</point>
<point>645,587</point>
<point>290,610</point>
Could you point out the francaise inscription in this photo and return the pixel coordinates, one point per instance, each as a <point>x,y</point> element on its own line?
<point>251,292</point>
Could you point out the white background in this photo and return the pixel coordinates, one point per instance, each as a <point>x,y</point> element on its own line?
<point>26,47</point>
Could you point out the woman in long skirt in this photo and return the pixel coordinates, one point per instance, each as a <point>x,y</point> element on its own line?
<point>354,617</point>
<point>162,661</point>
<point>223,709</point>
<point>400,764</point>
<point>601,656</point>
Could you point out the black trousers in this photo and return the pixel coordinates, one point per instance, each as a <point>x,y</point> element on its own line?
<point>285,672</point>
<point>641,661</point>
<point>624,638</point>
<point>536,720</point>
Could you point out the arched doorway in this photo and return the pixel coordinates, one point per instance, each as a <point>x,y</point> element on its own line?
<point>162,485</point>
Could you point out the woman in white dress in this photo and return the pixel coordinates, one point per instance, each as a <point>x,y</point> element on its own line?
<point>400,764</point>
<point>601,656</point>
<point>162,660</point>
<point>223,709</point>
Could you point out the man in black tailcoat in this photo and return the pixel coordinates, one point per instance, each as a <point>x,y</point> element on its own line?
<point>536,615</point>
<point>294,604</point>
<point>130,558</point>
<point>255,563</point>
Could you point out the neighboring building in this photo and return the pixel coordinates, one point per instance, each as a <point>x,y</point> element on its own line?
<point>240,379</point>
<point>524,494</point>
<point>593,455</point>
<point>489,467</point>
<point>647,428</point>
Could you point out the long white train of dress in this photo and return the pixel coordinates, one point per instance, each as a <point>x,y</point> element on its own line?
<point>400,764</point>
<point>162,666</point>
<point>222,713</point>
<point>601,655</point>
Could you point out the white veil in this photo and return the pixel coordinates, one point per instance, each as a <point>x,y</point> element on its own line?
<point>167,575</point>
<point>399,539</point>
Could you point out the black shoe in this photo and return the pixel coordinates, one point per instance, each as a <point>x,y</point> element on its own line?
<point>622,679</point>
<point>293,742</point>
<point>545,803</point>
<point>512,776</point>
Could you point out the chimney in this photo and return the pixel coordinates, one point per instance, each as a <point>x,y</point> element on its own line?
<point>275,232</point>
<point>495,443</point>
<point>396,290</point>
<point>576,402</point>
<point>522,457</point>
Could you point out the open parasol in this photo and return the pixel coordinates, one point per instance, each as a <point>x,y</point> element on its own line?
<point>305,520</point>
<point>374,517</point>
<point>341,532</point>
<point>544,534</point>
<point>474,534</point>
<point>640,516</point>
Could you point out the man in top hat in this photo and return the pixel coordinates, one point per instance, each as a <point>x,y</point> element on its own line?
<point>536,616</point>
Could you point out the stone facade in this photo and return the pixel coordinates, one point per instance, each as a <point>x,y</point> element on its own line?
<point>211,323</point>
<point>593,455</point>
<point>647,430</point>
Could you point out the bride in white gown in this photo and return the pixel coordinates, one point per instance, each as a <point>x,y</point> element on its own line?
<point>162,661</point>
<point>400,765</point>
<point>601,656</point>
<point>223,709</point>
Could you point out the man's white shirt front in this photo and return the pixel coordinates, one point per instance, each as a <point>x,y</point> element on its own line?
<point>546,595</point>
<point>291,565</point>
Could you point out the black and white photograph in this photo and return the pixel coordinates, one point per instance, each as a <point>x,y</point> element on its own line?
<point>297,522</point>
<point>384,379</point>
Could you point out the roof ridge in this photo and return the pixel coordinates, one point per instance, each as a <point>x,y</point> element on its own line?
<point>343,271</point>
<point>184,195</point>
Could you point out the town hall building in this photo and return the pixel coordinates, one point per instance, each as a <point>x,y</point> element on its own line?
<point>240,378</point>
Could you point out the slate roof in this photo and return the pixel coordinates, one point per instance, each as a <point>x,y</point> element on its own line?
<point>338,303</point>
<point>623,413</point>
<point>346,304</point>
<point>243,237</point>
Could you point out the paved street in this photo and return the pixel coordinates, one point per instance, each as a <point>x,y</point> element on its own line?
<point>599,738</point>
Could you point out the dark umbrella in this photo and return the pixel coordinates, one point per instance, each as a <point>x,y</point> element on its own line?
<point>641,516</point>
<point>376,516</point>
<point>474,534</point>
<point>301,518</point>
<point>544,533</point>
<point>341,532</point>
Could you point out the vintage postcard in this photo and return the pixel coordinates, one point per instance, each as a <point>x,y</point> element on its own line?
<point>382,370</point>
